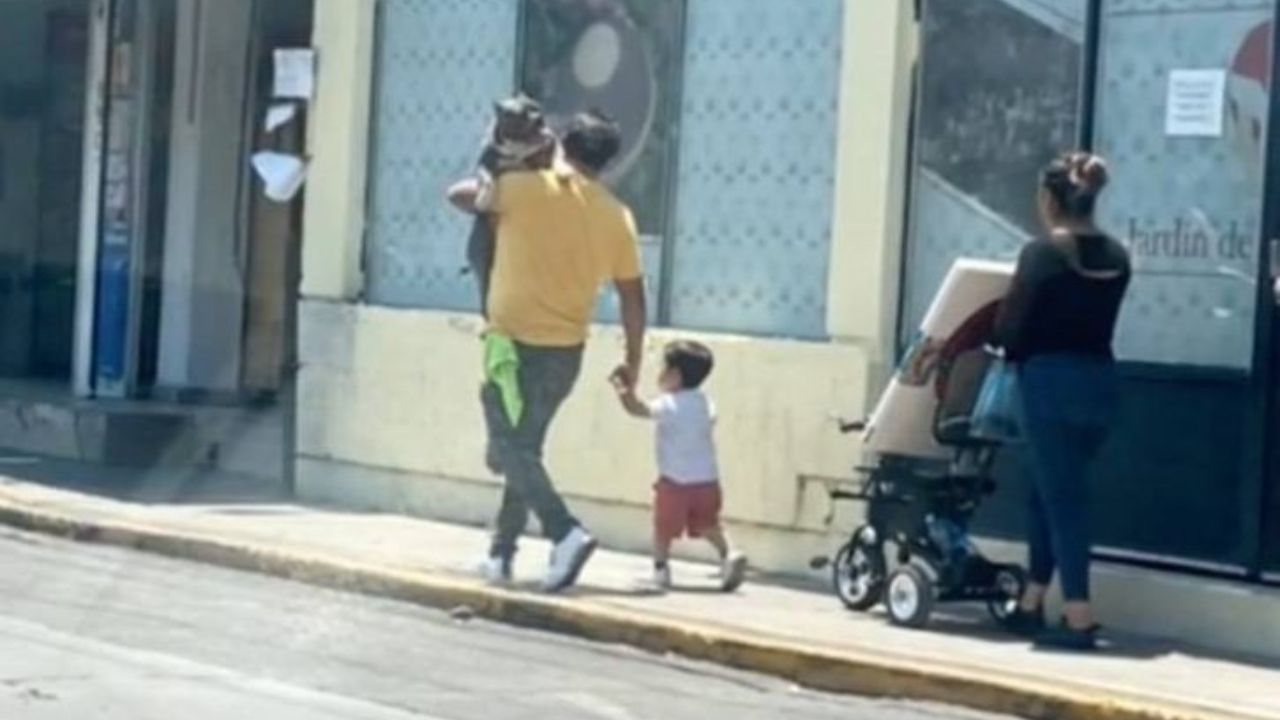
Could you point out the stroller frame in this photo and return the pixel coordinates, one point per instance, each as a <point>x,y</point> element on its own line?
<point>918,514</point>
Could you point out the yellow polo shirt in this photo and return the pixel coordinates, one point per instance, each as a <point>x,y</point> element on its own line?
<point>560,235</point>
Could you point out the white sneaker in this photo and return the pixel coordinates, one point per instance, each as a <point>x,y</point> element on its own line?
<point>662,578</point>
<point>733,572</point>
<point>495,571</point>
<point>567,560</point>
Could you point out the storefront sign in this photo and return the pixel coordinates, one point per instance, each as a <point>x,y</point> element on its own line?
<point>295,73</point>
<point>1195,103</point>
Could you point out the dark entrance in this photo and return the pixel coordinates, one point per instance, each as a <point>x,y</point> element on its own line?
<point>43,52</point>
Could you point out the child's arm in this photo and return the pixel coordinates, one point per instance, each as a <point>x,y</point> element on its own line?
<point>634,406</point>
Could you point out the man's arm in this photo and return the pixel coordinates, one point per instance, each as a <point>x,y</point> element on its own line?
<point>628,274</point>
<point>631,298</point>
<point>626,390</point>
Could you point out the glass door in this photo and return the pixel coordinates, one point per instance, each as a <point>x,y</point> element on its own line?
<point>1269,491</point>
<point>1182,105</point>
<point>1176,95</point>
<point>990,114</point>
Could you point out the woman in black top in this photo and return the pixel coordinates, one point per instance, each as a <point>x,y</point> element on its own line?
<point>1057,324</point>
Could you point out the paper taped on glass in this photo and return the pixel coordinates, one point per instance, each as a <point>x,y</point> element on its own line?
<point>902,423</point>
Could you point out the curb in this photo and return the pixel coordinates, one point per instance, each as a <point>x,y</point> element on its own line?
<point>815,668</point>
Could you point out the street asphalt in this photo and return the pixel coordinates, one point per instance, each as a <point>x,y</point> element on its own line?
<point>90,632</point>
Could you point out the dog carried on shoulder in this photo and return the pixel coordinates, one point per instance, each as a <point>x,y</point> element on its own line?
<point>519,140</point>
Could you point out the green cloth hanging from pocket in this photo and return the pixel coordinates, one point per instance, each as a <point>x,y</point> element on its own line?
<point>502,369</point>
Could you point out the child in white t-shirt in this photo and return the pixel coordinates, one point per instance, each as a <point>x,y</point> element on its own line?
<point>687,497</point>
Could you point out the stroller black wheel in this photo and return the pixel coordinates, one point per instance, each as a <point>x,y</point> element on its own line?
<point>909,598</point>
<point>858,574</point>
<point>1010,584</point>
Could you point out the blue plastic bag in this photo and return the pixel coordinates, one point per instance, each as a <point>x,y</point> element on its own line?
<point>997,416</point>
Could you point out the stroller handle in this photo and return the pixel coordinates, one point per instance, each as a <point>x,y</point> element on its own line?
<point>848,427</point>
<point>847,495</point>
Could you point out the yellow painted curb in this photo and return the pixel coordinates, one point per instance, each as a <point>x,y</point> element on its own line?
<point>815,668</point>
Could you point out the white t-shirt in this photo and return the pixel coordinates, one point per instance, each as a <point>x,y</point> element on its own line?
<point>686,440</point>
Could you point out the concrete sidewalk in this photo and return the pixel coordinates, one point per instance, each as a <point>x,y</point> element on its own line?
<point>793,633</point>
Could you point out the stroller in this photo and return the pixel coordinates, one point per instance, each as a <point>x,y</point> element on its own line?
<point>918,513</point>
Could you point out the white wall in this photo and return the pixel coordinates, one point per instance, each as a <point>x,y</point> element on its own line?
<point>389,418</point>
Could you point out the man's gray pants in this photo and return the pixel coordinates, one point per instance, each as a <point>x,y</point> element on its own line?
<point>546,377</point>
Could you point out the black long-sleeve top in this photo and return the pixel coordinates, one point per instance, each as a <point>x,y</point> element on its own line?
<point>1064,302</point>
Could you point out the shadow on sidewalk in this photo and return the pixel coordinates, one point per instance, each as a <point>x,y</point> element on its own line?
<point>639,590</point>
<point>974,623</point>
<point>149,486</point>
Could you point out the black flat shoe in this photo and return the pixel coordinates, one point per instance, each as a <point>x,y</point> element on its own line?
<point>1025,623</point>
<point>1065,637</point>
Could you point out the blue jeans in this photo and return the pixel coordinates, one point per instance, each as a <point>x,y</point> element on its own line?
<point>1068,403</point>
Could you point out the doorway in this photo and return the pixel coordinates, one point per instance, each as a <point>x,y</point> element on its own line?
<point>196,271</point>
<point>43,79</point>
<point>142,272</point>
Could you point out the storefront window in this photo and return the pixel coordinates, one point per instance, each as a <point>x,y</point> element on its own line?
<point>623,57</point>
<point>1187,200</point>
<point>440,67</point>
<point>757,161</point>
<point>988,120</point>
<point>691,82</point>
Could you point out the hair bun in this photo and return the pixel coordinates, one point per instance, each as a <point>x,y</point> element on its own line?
<point>1093,173</point>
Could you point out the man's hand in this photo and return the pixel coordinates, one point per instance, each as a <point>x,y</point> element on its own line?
<point>625,385</point>
<point>622,380</point>
<point>463,194</point>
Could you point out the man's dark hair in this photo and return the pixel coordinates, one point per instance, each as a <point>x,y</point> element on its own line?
<point>592,140</point>
<point>693,360</point>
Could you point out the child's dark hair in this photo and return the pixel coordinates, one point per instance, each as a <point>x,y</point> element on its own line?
<point>693,360</point>
<point>592,139</point>
<point>1074,181</point>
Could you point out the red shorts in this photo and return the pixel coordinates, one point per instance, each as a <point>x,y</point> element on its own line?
<point>680,510</point>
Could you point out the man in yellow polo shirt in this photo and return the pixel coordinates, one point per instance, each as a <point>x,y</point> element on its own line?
<point>561,234</point>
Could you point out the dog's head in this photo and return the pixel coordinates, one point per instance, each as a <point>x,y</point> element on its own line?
<point>521,137</point>
<point>519,121</point>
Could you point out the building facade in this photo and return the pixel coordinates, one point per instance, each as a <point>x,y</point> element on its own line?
<point>803,174</point>
<point>388,390</point>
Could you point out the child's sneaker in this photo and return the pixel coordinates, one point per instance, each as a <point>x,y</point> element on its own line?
<point>734,572</point>
<point>662,578</point>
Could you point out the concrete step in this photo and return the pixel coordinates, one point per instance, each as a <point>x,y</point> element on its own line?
<point>144,434</point>
<point>97,433</point>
